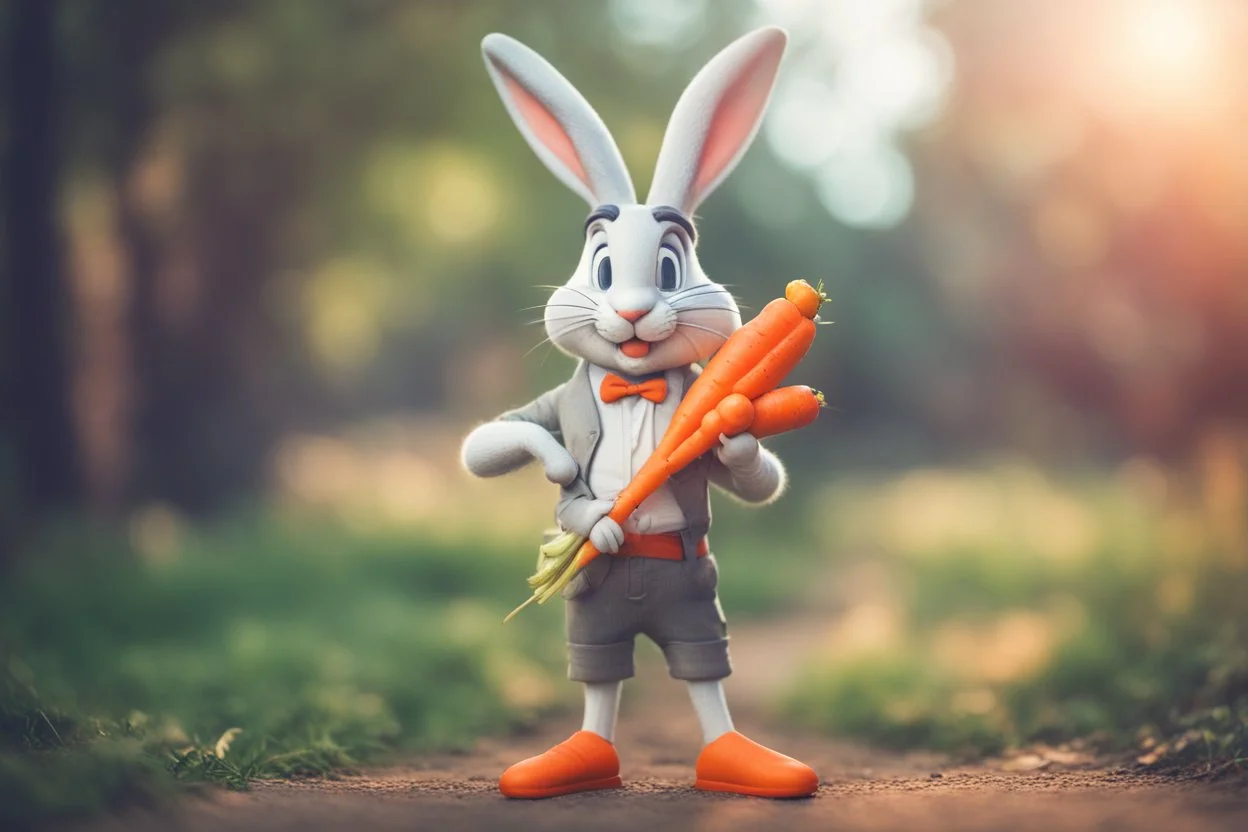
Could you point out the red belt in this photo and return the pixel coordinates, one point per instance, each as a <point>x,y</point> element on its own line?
<point>661,546</point>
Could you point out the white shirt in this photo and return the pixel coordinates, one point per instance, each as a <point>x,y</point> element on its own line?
<point>631,427</point>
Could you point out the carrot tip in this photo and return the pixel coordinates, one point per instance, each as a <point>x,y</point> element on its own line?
<point>805,297</point>
<point>819,397</point>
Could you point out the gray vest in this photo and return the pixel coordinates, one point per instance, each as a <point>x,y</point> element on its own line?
<point>570,412</point>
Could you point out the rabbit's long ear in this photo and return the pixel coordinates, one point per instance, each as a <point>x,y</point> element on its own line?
<point>716,119</point>
<point>558,123</point>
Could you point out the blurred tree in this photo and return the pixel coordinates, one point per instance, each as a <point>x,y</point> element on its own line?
<point>288,216</point>
<point>37,393</point>
<point>180,388</point>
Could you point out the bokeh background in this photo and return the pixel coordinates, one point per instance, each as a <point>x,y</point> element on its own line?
<point>266,263</point>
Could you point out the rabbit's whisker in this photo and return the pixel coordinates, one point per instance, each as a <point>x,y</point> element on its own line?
<point>536,347</point>
<point>580,292</point>
<point>570,328</point>
<point>691,294</point>
<point>715,332</point>
<point>680,308</point>
<point>545,305</point>
<point>578,325</point>
<point>701,288</point>
<point>568,316</point>
<point>557,318</point>
<point>550,338</point>
<point>688,340</point>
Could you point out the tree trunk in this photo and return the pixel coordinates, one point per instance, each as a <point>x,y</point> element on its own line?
<point>38,399</point>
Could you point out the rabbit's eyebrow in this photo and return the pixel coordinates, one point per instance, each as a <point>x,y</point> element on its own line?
<point>603,212</point>
<point>666,213</point>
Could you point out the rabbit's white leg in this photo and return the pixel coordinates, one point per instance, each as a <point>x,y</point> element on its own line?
<point>602,706</point>
<point>712,708</point>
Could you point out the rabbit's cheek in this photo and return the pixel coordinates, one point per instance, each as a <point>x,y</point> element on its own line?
<point>657,326</point>
<point>614,328</point>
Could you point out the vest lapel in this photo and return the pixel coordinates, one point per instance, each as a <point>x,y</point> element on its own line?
<point>578,417</point>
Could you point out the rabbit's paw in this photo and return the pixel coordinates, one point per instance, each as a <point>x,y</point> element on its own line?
<point>607,536</point>
<point>582,514</point>
<point>739,453</point>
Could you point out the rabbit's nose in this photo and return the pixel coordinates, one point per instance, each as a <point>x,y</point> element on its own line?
<point>632,316</point>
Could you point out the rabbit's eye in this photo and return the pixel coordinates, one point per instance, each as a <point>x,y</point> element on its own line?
<point>600,268</point>
<point>668,273</point>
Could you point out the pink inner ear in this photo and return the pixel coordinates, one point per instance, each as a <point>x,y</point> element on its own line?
<point>548,131</point>
<point>734,118</point>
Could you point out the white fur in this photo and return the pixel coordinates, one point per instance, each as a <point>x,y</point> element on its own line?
<point>607,535</point>
<point>681,325</point>
<point>497,448</point>
<point>607,177</point>
<point>584,319</point>
<point>738,78</point>
<point>581,516</point>
<point>753,474</point>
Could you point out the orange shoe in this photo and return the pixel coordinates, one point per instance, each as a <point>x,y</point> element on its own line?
<point>733,763</point>
<point>582,763</point>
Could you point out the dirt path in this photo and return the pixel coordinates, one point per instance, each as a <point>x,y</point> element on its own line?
<point>658,739</point>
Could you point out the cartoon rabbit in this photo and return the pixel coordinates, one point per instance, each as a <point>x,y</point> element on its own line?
<point>638,312</point>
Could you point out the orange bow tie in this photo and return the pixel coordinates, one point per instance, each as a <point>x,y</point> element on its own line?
<point>615,388</point>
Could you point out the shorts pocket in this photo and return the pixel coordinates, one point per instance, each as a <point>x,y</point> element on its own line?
<point>702,577</point>
<point>588,579</point>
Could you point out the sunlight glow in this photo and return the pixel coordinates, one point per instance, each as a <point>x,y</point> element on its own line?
<point>1169,42</point>
<point>859,76</point>
<point>1169,61</point>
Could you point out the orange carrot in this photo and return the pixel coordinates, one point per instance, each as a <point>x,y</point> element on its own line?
<point>749,364</point>
<point>742,353</point>
<point>805,297</point>
<point>733,415</point>
<point>739,354</point>
<point>776,364</point>
<point>785,409</point>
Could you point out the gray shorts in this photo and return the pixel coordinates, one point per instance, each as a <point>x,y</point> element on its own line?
<point>672,601</point>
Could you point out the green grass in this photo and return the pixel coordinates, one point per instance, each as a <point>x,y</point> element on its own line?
<point>896,701</point>
<point>1128,673</point>
<point>1144,641</point>
<point>326,649</point>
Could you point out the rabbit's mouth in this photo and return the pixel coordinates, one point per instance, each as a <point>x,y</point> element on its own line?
<point>635,348</point>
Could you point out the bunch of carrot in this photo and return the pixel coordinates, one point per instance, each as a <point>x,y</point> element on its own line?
<point>736,393</point>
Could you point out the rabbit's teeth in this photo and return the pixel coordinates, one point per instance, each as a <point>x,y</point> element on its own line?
<point>635,348</point>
